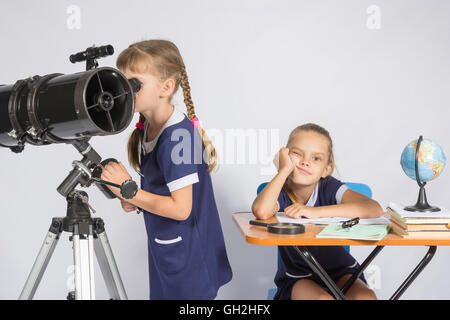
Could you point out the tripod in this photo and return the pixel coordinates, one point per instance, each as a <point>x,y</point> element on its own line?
<point>88,234</point>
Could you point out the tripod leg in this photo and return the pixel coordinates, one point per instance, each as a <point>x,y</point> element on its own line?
<point>42,260</point>
<point>83,259</point>
<point>108,264</point>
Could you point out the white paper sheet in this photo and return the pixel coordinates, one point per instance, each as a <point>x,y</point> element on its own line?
<point>282,218</point>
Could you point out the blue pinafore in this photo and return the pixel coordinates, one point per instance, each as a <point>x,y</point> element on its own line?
<point>187,259</point>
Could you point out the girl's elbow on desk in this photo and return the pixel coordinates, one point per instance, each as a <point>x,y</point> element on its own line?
<point>378,212</point>
<point>372,209</point>
<point>261,213</point>
<point>365,209</point>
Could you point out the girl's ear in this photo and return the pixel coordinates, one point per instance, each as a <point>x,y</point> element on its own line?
<point>167,88</point>
<point>328,170</point>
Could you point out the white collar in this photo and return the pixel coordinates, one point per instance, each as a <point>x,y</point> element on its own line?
<point>313,198</point>
<point>175,117</point>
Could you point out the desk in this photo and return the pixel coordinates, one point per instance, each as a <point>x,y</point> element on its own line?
<point>259,236</point>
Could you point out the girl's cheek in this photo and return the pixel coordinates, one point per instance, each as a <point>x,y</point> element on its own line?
<point>140,97</point>
<point>294,158</point>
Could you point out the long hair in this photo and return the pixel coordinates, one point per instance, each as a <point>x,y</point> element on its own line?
<point>317,129</point>
<point>166,59</point>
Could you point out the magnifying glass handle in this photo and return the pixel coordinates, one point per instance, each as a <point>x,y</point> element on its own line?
<point>257,223</point>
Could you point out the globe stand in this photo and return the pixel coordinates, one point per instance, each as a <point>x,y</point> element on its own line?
<point>422,204</point>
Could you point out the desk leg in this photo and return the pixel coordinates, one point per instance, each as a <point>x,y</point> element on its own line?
<point>362,267</point>
<point>317,269</point>
<point>415,273</point>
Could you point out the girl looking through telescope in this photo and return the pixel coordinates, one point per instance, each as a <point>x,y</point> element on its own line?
<point>187,255</point>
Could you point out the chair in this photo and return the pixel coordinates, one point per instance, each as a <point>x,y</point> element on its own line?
<point>357,187</point>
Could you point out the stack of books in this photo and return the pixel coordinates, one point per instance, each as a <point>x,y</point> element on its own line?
<point>408,224</point>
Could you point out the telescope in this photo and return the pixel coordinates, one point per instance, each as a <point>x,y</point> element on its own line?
<point>70,109</point>
<point>58,108</point>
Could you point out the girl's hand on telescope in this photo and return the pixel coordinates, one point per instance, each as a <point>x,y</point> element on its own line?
<point>115,173</point>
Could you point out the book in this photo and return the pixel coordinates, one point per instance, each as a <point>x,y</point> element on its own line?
<point>422,227</point>
<point>373,232</point>
<point>415,225</point>
<point>403,217</point>
<point>421,234</point>
<point>398,230</point>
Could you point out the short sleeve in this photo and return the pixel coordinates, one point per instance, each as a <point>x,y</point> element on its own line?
<point>283,201</point>
<point>333,189</point>
<point>176,161</point>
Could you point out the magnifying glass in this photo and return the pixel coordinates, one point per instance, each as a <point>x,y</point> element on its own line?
<point>281,227</point>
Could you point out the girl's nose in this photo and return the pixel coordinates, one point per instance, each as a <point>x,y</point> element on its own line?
<point>305,163</point>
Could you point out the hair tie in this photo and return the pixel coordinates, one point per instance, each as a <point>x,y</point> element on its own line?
<point>140,125</point>
<point>195,122</point>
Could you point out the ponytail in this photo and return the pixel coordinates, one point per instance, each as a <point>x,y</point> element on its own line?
<point>134,146</point>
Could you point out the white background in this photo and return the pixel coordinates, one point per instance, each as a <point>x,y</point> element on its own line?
<point>252,65</point>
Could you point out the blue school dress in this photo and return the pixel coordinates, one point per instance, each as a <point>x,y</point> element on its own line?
<point>334,259</point>
<point>187,259</point>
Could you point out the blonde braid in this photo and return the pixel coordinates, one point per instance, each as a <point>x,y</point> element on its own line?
<point>184,82</point>
<point>211,151</point>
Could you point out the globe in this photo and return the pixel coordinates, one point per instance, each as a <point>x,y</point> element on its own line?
<point>431,160</point>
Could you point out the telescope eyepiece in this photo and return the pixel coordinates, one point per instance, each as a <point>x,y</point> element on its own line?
<point>135,84</point>
<point>92,53</point>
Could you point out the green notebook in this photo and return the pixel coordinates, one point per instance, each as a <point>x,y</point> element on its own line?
<point>372,232</point>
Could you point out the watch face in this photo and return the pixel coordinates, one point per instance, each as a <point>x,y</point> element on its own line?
<point>129,189</point>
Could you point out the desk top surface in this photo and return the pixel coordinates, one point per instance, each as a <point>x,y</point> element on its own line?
<point>259,235</point>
